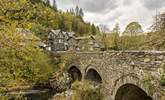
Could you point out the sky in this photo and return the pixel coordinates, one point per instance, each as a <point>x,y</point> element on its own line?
<point>110,12</point>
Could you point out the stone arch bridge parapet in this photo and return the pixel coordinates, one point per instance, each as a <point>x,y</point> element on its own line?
<point>141,68</point>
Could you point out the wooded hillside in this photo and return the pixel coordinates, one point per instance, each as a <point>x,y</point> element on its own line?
<point>40,17</point>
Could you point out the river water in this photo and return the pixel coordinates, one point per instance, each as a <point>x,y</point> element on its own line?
<point>33,94</point>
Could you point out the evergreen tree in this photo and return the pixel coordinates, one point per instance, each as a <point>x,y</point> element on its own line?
<point>54,5</point>
<point>77,11</point>
<point>47,2</point>
<point>36,1</point>
<point>81,13</point>
<point>93,29</point>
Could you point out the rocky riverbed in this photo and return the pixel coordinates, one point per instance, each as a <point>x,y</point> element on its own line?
<point>67,95</point>
<point>60,87</point>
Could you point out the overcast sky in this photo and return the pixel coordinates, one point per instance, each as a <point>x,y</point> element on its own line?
<point>110,12</point>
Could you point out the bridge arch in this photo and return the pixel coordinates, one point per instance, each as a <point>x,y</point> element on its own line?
<point>93,75</point>
<point>75,73</point>
<point>131,92</point>
<point>129,87</point>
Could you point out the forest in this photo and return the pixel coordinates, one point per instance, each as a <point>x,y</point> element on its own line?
<point>40,17</point>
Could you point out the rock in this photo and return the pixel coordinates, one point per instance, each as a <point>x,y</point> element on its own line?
<point>146,60</point>
<point>67,95</point>
<point>61,82</point>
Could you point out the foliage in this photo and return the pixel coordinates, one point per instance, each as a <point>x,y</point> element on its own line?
<point>133,29</point>
<point>86,91</point>
<point>162,81</point>
<point>116,29</point>
<point>78,12</point>
<point>131,43</point>
<point>116,42</point>
<point>19,97</point>
<point>38,14</point>
<point>66,60</point>
<point>148,83</point>
<point>156,38</point>
<point>113,38</point>
<point>159,23</point>
<point>21,61</point>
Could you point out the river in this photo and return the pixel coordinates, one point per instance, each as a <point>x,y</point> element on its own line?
<point>33,94</point>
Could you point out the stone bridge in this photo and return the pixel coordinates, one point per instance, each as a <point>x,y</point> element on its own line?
<point>124,75</point>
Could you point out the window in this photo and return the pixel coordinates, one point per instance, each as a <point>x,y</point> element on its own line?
<point>60,41</point>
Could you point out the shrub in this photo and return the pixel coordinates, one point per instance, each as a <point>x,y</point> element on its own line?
<point>86,91</point>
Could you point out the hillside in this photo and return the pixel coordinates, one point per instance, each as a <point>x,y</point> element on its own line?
<point>40,17</point>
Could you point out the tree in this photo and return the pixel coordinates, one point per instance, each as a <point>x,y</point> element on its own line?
<point>72,11</point>
<point>81,13</point>
<point>77,11</point>
<point>93,29</point>
<point>115,37</point>
<point>159,24</point>
<point>116,29</point>
<point>103,29</point>
<point>133,29</point>
<point>67,22</point>
<point>54,5</point>
<point>21,13</point>
<point>21,60</point>
<point>36,1</point>
<point>47,2</point>
<point>41,18</point>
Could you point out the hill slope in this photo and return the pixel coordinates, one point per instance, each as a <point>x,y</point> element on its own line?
<point>40,17</point>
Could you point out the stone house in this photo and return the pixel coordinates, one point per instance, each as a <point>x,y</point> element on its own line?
<point>66,41</point>
<point>72,43</point>
<point>87,43</point>
<point>61,41</point>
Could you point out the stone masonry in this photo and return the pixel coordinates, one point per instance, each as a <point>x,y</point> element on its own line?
<point>143,69</point>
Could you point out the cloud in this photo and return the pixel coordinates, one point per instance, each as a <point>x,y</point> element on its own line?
<point>96,6</point>
<point>153,4</point>
<point>127,2</point>
<point>110,12</point>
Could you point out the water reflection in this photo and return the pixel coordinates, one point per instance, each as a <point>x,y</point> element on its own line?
<point>33,94</point>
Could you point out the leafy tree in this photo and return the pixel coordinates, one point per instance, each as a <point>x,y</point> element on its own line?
<point>86,91</point>
<point>133,29</point>
<point>21,61</point>
<point>131,43</point>
<point>116,29</point>
<point>115,37</point>
<point>159,24</point>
